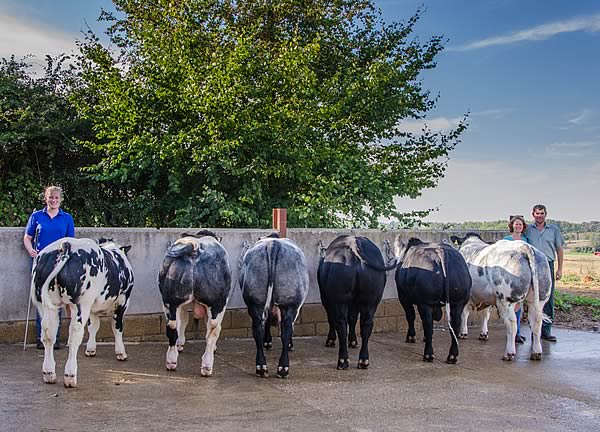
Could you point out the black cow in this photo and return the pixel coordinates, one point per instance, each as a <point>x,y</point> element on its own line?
<point>90,279</point>
<point>431,276</point>
<point>274,283</point>
<point>351,279</point>
<point>195,271</point>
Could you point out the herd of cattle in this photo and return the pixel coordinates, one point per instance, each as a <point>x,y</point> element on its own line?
<point>93,278</point>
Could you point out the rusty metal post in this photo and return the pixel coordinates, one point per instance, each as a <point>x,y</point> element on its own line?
<point>280,221</point>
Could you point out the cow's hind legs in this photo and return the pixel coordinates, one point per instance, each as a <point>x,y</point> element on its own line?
<point>93,326</point>
<point>258,332</point>
<point>366,327</point>
<point>268,340</point>
<point>117,327</point>
<point>330,341</point>
<point>183,317</point>
<point>341,327</point>
<point>455,324</point>
<point>535,322</point>
<point>507,313</point>
<point>409,313</point>
<point>289,313</point>
<point>484,334</point>
<point>213,330</point>
<point>75,338</point>
<point>464,328</point>
<point>352,319</point>
<point>172,353</point>
<point>50,323</point>
<point>426,313</point>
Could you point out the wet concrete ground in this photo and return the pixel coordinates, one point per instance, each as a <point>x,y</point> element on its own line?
<point>399,392</point>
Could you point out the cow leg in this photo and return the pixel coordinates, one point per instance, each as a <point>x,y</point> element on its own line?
<point>75,337</point>
<point>352,319</point>
<point>341,327</point>
<point>213,330</point>
<point>409,313</point>
<point>330,311</point>
<point>426,313</point>
<point>456,312</point>
<point>172,353</point>
<point>366,327</point>
<point>183,317</point>
<point>464,328</point>
<point>93,326</point>
<point>287,331</point>
<point>507,313</point>
<point>535,322</point>
<point>484,334</point>
<point>50,323</point>
<point>117,328</point>
<point>268,340</point>
<point>258,332</point>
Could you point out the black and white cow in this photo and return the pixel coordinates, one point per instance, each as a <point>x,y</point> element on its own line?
<point>351,279</point>
<point>90,279</point>
<point>274,281</point>
<point>195,272</point>
<point>432,276</point>
<point>504,274</point>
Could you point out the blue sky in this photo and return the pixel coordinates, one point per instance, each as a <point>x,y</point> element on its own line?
<point>527,71</point>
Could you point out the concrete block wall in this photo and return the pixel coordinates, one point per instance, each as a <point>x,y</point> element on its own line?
<point>145,320</point>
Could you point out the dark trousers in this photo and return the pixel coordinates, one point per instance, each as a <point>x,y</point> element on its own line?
<point>549,306</point>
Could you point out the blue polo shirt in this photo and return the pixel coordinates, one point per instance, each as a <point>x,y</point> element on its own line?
<point>49,229</point>
<point>547,240</point>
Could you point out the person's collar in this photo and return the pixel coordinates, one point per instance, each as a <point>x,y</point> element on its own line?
<point>60,211</point>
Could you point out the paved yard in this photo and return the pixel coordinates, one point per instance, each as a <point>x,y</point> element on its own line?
<point>399,391</point>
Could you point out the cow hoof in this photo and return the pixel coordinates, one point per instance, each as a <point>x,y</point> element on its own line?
<point>363,364</point>
<point>508,357</point>
<point>428,358</point>
<point>452,359</point>
<point>353,344</point>
<point>49,377</point>
<point>535,356</point>
<point>283,372</point>
<point>206,371</point>
<point>330,343</point>
<point>171,366</point>
<point>262,371</point>
<point>343,364</point>
<point>463,336</point>
<point>411,339</point>
<point>90,353</point>
<point>121,356</point>
<point>267,345</point>
<point>483,337</point>
<point>179,348</point>
<point>70,381</point>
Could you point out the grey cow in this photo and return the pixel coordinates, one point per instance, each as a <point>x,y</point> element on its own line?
<point>274,280</point>
<point>504,274</point>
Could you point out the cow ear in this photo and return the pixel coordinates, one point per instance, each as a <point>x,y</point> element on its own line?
<point>125,249</point>
<point>454,239</point>
<point>220,239</point>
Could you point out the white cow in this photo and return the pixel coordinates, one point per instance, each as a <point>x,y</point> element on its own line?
<point>504,274</point>
<point>90,279</point>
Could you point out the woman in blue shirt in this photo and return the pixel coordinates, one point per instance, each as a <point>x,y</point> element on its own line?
<point>516,227</point>
<point>44,227</point>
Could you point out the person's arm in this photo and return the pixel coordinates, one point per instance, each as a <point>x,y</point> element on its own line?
<point>559,254</point>
<point>28,242</point>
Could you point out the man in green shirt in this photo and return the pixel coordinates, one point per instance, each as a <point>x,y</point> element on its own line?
<point>549,240</point>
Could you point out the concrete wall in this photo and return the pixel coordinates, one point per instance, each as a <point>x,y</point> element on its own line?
<point>149,245</point>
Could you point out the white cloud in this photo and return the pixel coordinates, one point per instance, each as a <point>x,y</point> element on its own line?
<point>540,32</point>
<point>442,124</point>
<point>21,38</point>
<point>570,149</point>
<point>492,190</point>
<point>580,117</point>
<point>495,113</point>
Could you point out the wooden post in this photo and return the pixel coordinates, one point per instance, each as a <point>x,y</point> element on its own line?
<point>280,221</point>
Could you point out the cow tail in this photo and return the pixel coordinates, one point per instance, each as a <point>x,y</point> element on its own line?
<point>444,263</point>
<point>63,256</point>
<point>355,248</point>
<point>272,252</point>
<point>535,281</point>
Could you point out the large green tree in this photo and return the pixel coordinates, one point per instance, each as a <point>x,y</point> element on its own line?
<point>212,112</point>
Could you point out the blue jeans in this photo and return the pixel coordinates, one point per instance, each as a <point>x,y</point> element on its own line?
<point>549,306</point>
<point>518,314</point>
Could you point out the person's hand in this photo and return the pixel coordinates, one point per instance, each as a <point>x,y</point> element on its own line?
<point>558,274</point>
<point>32,253</point>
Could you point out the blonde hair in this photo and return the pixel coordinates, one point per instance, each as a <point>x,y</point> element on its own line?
<point>50,189</point>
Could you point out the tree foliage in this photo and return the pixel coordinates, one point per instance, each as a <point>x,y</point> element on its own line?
<point>212,112</point>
